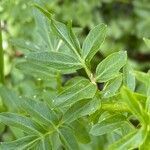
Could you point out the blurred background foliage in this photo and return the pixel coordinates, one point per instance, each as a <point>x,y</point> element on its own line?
<point>128,23</point>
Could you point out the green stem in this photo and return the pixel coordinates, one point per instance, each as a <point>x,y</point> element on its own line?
<point>1,58</point>
<point>89,73</point>
<point>87,70</point>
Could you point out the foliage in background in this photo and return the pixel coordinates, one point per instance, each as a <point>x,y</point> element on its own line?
<point>73,92</point>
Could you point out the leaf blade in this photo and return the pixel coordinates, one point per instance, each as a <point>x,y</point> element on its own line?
<point>93,41</point>
<point>110,66</point>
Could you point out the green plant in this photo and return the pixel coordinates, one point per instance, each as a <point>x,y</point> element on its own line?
<point>1,58</point>
<point>76,114</point>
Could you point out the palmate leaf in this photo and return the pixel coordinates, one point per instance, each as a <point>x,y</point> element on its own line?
<point>24,123</point>
<point>110,66</point>
<point>68,139</point>
<point>108,125</point>
<point>130,141</point>
<point>37,70</point>
<point>56,60</point>
<point>20,144</point>
<point>93,41</point>
<point>82,89</point>
<point>40,112</point>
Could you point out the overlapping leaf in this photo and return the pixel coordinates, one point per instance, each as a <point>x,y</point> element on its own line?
<point>37,70</point>
<point>56,60</point>
<point>21,122</point>
<point>110,66</point>
<point>93,41</point>
<point>82,89</point>
<point>40,112</point>
<point>67,138</point>
<point>108,125</point>
<point>130,141</point>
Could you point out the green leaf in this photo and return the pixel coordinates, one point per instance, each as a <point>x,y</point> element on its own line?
<point>147,107</point>
<point>128,77</point>
<point>130,141</point>
<point>21,122</point>
<point>67,138</point>
<point>81,132</point>
<point>66,34</point>
<point>19,144</point>
<point>37,70</point>
<point>40,112</point>
<point>44,30</point>
<point>25,45</point>
<point>82,108</point>
<point>63,31</point>
<point>133,104</point>
<point>144,78</point>
<point>83,89</point>
<point>43,144</point>
<point>56,60</point>
<point>112,87</point>
<point>110,66</point>
<point>93,41</point>
<point>10,99</point>
<point>108,125</point>
<point>146,144</point>
<point>147,42</point>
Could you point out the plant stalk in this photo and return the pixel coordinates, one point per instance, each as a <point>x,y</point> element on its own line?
<point>1,58</point>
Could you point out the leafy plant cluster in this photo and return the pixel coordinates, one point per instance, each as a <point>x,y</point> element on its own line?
<point>104,105</point>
